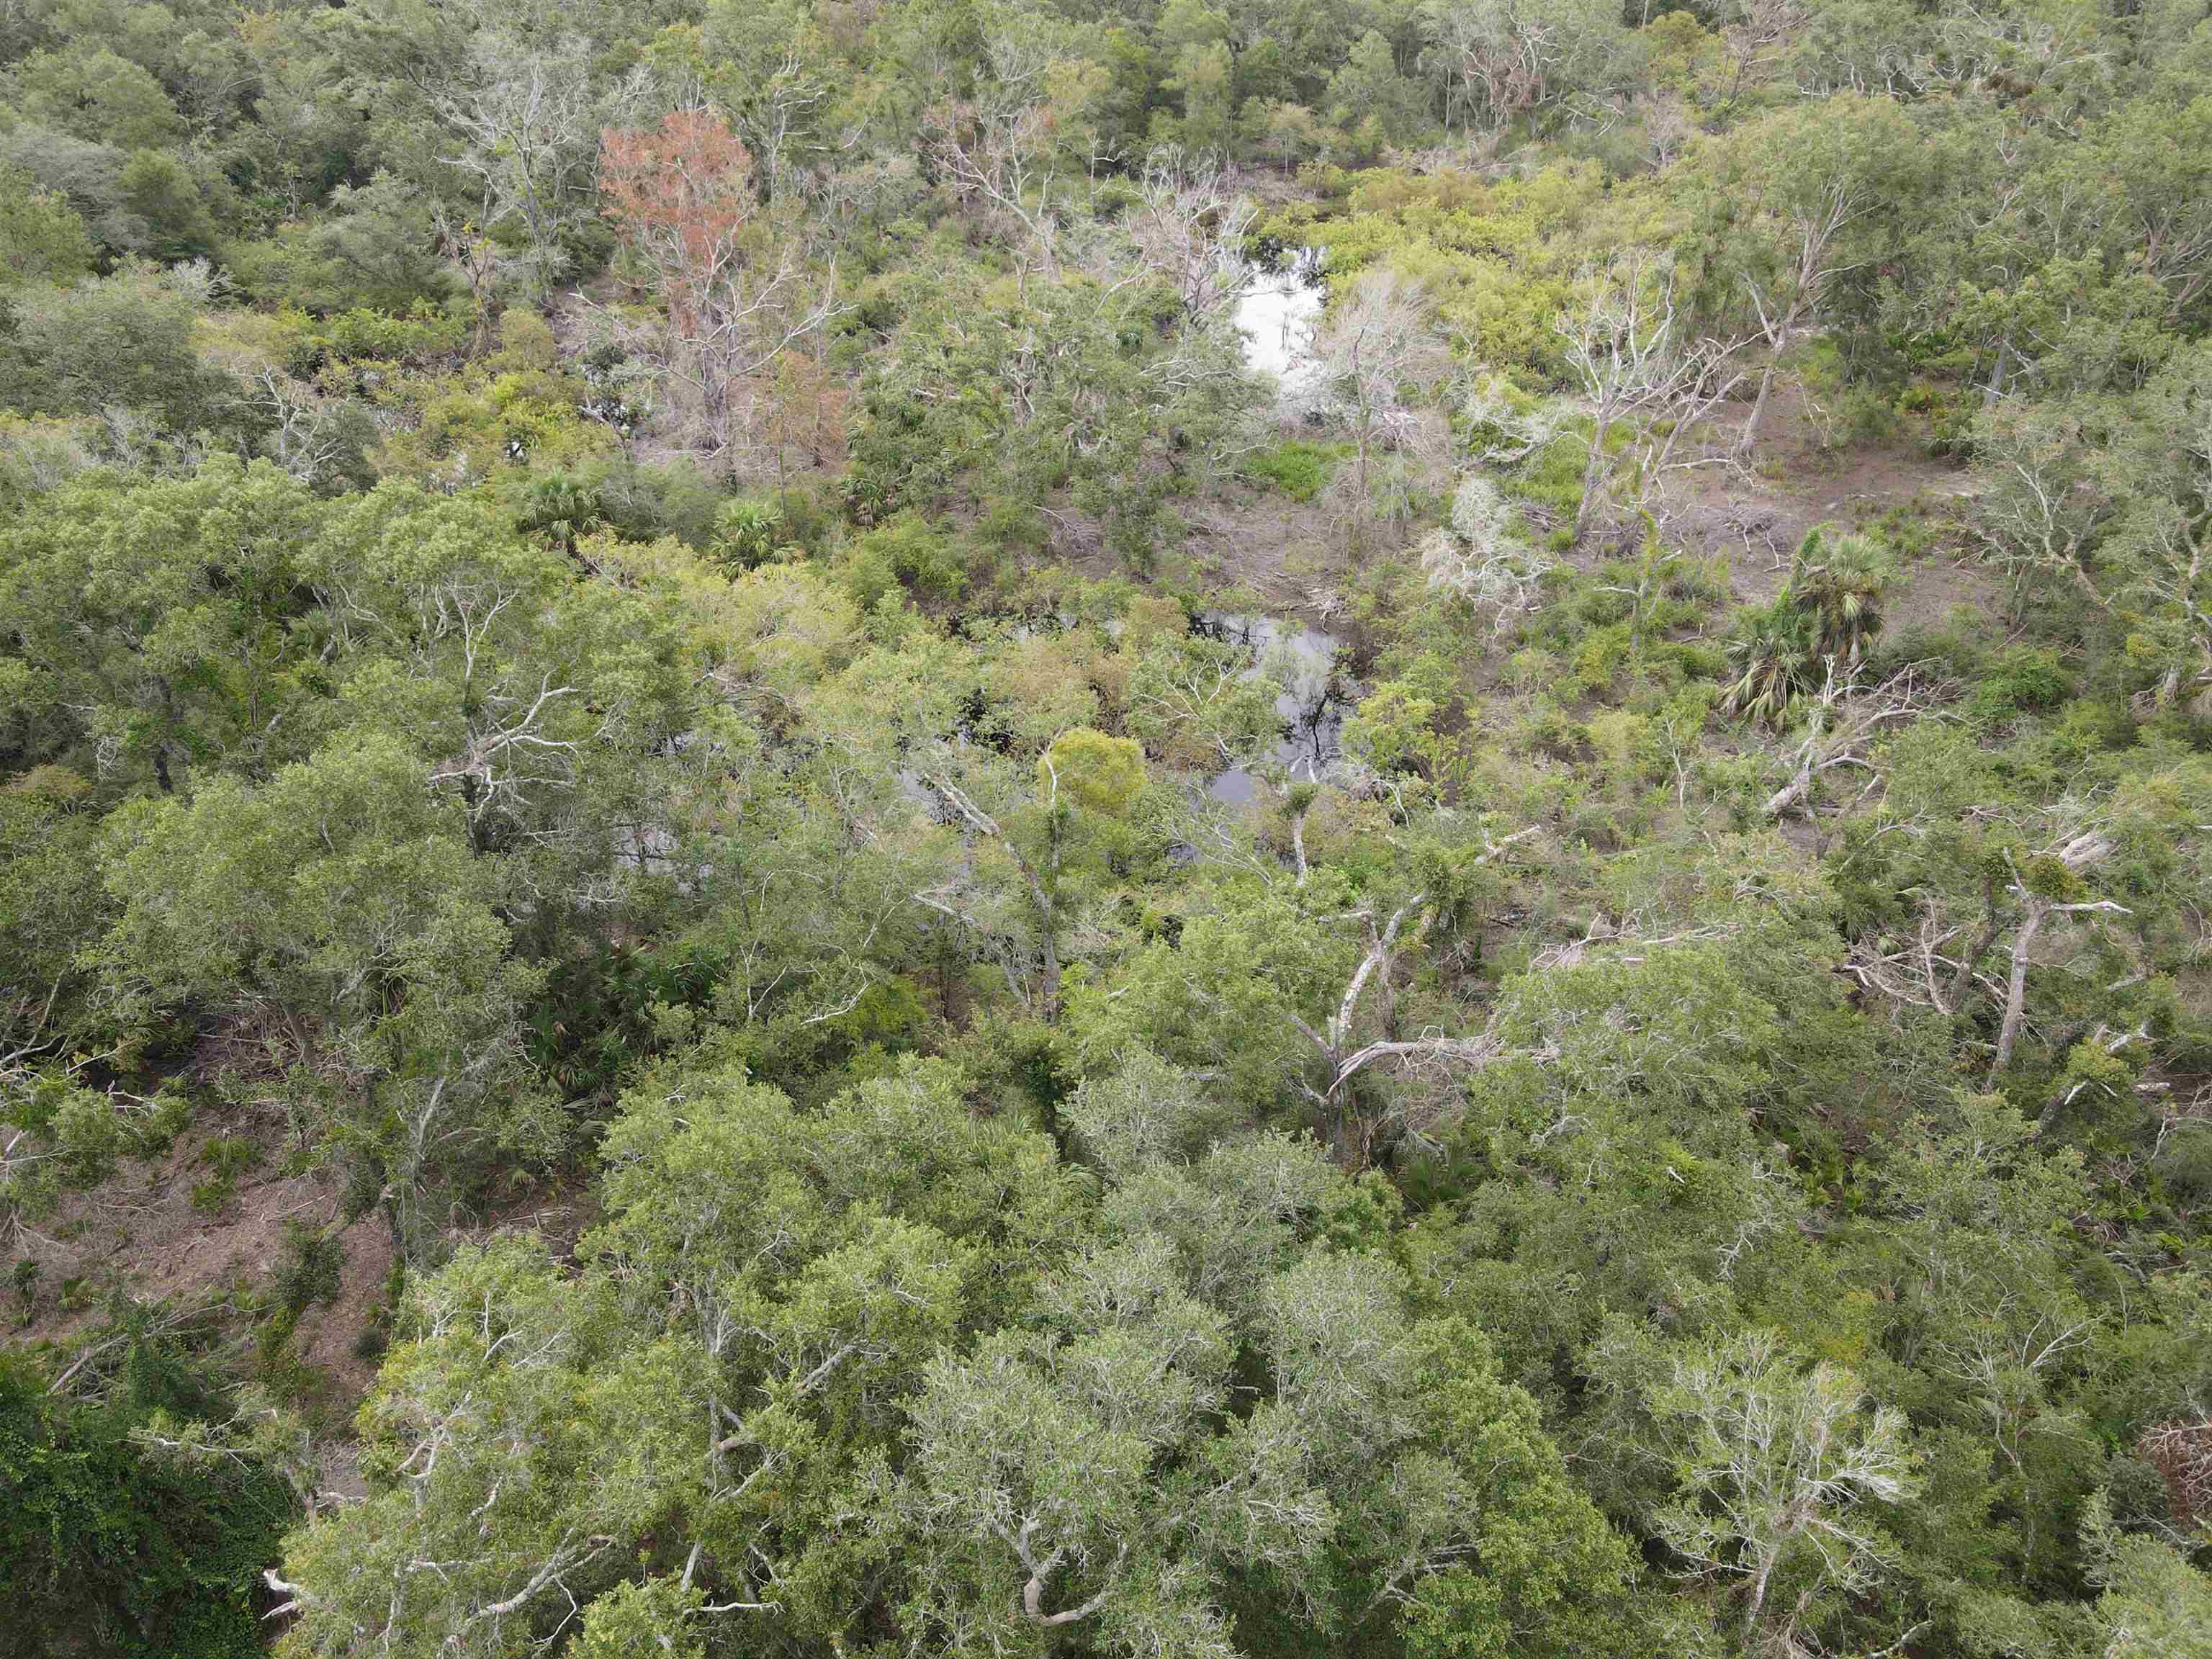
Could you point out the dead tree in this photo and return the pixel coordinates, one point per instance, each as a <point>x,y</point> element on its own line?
<point>1189,226</point>
<point>1623,342</point>
<point>999,149</point>
<point>1334,1043</point>
<point>2182,1454</point>
<point>1847,718</point>
<point>2081,852</point>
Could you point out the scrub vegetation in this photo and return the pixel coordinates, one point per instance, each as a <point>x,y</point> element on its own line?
<point>1112,829</point>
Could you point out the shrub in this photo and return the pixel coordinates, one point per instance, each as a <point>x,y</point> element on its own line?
<point>906,552</point>
<point>228,1158</point>
<point>308,1266</point>
<point>109,1547</point>
<point>1295,469</point>
<point>747,531</point>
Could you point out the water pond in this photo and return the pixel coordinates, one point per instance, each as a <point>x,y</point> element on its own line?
<point>1277,316</point>
<point>1313,704</point>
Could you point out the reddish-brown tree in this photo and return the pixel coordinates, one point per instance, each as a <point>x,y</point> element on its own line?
<point>682,197</point>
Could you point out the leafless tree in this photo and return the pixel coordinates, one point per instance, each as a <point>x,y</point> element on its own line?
<point>478,257</point>
<point>775,123</point>
<point>1757,34</point>
<point>738,294</point>
<point>304,436</point>
<point>1038,874</point>
<point>1189,226</point>
<point>1941,965</point>
<point>1343,1058</point>
<point>1481,557</point>
<point>1817,226</point>
<point>999,148</point>
<point>523,114</point>
<point>1502,59</point>
<point>2039,507</point>
<point>1371,357</point>
<point>2080,852</point>
<point>1776,1463</point>
<point>2182,1453</point>
<point>1846,718</point>
<point>1623,342</point>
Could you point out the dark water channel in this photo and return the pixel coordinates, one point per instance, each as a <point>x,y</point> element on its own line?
<point>1314,699</point>
<point>1313,704</point>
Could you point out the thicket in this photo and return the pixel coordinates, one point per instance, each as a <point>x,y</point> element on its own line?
<point>654,607</point>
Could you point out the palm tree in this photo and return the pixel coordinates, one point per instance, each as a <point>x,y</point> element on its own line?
<point>1838,584</point>
<point>1771,653</point>
<point>561,508</point>
<point>746,531</point>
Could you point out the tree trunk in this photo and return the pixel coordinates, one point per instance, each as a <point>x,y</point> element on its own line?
<point>1755,1603</point>
<point>1796,790</point>
<point>1593,473</point>
<point>1995,389</point>
<point>2016,991</point>
<point>1750,434</point>
<point>1963,978</point>
<point>1051,972</point>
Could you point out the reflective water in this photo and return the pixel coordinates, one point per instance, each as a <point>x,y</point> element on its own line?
<point>1278,315</point>
<point>1312,704</point>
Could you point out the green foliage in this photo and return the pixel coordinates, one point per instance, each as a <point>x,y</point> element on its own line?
<point>1818,628</point>
<point>265,898</point>
<point>123,342</point>
<point>226,1158</point>
<point>560,508</point>
<point>745,531</point>
<point>1837,582</point>
<point>1099,772</point>
<point>112,1541</point>
<point>1298,470</point>
<point>690,697</point>
<point>41,237</point>
<point>307,1270</point>
<point>903,555</point>
<point>1770,656</point>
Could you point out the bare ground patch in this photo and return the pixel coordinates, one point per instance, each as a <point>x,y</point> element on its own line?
<point>144,1236</point>
<point>141,1233</point>
<point>206,1224</point>
<point>1271,552</point>
<point>1758,514</point>
<point>172,1230</point>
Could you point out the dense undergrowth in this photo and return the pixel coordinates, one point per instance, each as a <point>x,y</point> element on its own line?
<point>692,960</point>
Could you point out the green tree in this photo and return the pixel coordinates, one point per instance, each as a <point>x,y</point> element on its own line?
<point>524,686</point>
<point>119,1533</point>
<point>1837,581</point>
<point>1788,207</point>
<point>1780,1473</point>
<point>2151,1600</point>
<point>41,237</point>
<point>1502,60</point>
<point>92,91</point>
<point>1080,1474</point>
<point>336,910</point>
<point>161,629</point>
<point>514,1437</point>
<point>122,341</point>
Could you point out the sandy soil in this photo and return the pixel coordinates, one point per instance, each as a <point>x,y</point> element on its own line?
<point>141,1235</point>
<point>1758,514</point>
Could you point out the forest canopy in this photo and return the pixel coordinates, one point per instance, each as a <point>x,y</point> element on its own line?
<point>1124,830</point>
